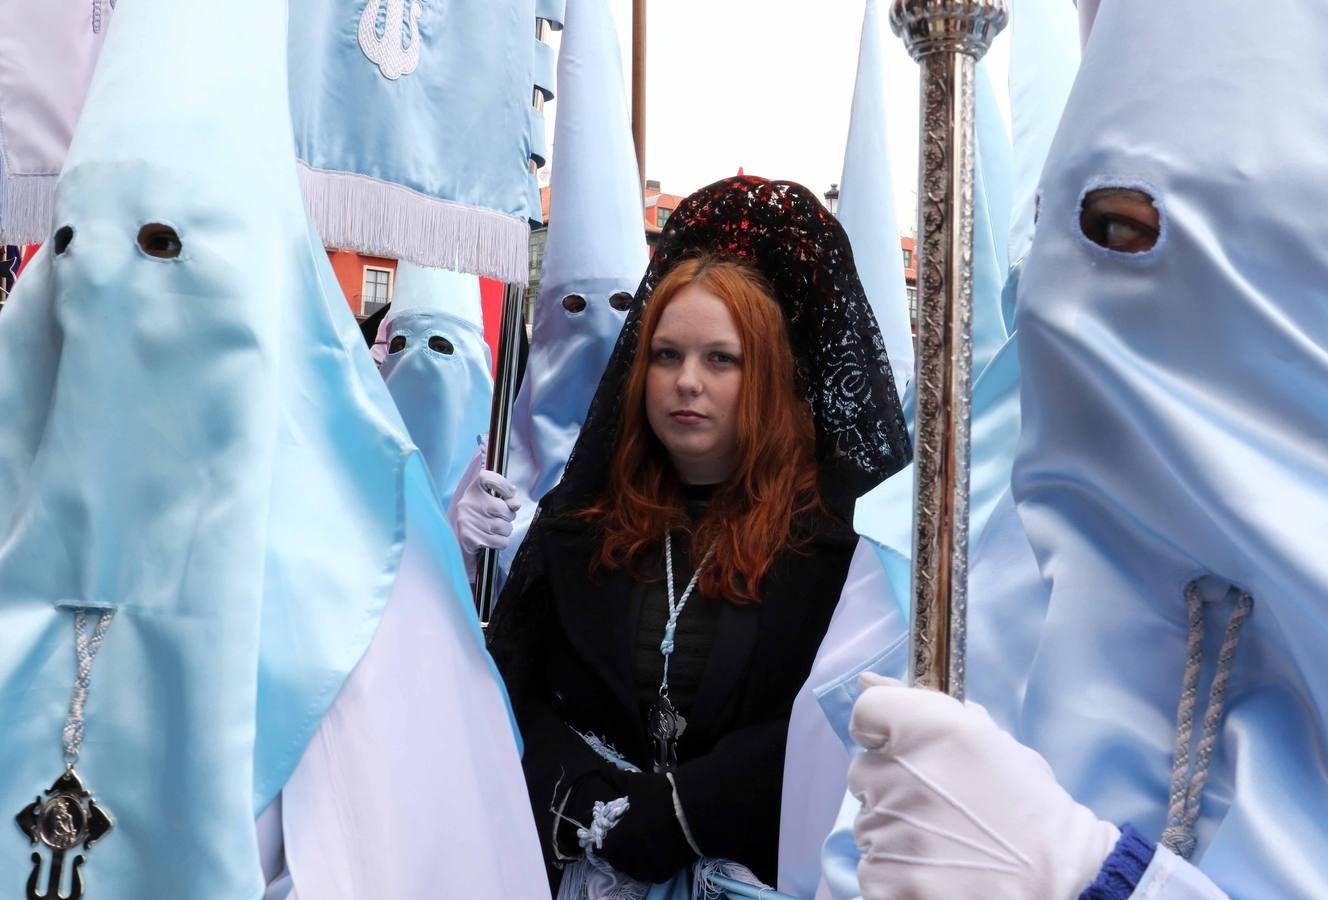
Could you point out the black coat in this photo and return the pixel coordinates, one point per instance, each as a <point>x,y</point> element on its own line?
<point>570,662</point>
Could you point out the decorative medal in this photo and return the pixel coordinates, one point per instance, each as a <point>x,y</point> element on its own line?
<point>666,725</point>
<point>69,816</point>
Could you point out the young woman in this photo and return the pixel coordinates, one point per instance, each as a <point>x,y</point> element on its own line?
<point>671,594</point>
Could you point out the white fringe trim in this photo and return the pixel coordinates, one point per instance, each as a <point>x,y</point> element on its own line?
<point>378,218</point>
<point>29,203</point>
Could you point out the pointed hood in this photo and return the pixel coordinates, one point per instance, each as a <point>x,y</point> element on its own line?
<point>438,368</point>
<point>1044,57</point>
<point>867,204</point>
<point>192,434</point>
<point>1173,426</point>
<point>594,258</point>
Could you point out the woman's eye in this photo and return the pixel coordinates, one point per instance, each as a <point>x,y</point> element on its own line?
<point>159,241</point>
<point>440,344</point>
<point>724,359</point>
<point>397,344</point>
<point>664,355</point>
<point>1120,219</point>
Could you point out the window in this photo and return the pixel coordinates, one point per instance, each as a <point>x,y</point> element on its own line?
<point>912,302</point>
<point>377,291</point>
<point>662,215</point>
<point>908,258</point>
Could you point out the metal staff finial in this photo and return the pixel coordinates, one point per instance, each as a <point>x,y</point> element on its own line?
<point>946,38</point>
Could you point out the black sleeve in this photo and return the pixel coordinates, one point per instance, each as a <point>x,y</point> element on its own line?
<point>730,798</point>
<point>561,770</point>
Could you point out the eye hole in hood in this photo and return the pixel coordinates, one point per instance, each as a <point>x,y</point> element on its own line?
<point>159,241</point>
<point>440,344</point>
<point>1125,220</point>
<point>397,344</point>
<point>64,235</point>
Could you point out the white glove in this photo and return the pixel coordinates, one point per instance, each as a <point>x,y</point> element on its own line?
<point>954,807</point>
<point>485,512</point>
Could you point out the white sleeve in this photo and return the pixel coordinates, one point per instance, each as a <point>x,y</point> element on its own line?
<point>867,631</point>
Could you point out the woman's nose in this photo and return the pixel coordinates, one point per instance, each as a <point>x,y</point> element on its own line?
<point>689,381</point>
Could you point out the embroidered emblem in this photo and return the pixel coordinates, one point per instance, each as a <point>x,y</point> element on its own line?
<point>387,50</point>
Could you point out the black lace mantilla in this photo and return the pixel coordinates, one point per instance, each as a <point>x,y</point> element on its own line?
<point>781,229</point>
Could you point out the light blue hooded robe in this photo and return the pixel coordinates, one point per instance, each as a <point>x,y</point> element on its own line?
<point>596,251</point>
<point>1173,428</point>
<point>1172,431</point>
<point>195,443</point>
<point>443,388</point>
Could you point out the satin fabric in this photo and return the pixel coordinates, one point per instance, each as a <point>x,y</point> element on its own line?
<point>47,53</point>
<point>444,398</point>
<point>395,732</point>
<point>596,249</point>
<point>1044,57</point>
<point>867,205</point>
<point>1173,429</point>
<point>868,632</point>
<point>193,452</point>
<point>470,93</point>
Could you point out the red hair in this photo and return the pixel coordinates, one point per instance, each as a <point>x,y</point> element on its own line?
<point>750,517</point>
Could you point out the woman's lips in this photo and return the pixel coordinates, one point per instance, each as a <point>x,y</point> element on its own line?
<point>687,417</point>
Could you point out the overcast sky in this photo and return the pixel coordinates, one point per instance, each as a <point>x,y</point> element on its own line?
<point>767,86</point>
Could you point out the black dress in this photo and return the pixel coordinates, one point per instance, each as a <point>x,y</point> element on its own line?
<point>569,651</point>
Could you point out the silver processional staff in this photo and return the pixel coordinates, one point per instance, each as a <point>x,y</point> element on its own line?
<point>946,38</point>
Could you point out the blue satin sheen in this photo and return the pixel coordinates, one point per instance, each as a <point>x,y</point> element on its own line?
<point>1173,428</point>
<point>445,399</point>
<point>596,249</point>
<point>199,444</point>
<point>867,205</point>
<point>465,93</point>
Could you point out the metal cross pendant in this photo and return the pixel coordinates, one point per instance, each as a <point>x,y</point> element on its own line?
<point>665,725</point>
<point>69,816</point>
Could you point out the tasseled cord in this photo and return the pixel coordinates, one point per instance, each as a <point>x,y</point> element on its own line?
<point>1187,784</point>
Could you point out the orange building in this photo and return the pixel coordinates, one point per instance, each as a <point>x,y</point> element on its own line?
<point>658,207</point>
<point>365,280</point>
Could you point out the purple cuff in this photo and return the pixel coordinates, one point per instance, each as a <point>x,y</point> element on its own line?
<point>1123,868</point>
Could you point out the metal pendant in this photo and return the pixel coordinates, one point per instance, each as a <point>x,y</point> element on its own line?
<point>665,725</point>
<point>69,816</point>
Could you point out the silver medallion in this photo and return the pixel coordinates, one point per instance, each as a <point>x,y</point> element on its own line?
<point>665,725</point>
<point>66,817</point>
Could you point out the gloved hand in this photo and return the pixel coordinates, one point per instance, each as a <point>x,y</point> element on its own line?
<point>484,514</point>
<point>954,807</point>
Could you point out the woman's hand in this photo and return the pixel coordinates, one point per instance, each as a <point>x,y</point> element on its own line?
<point>952,806</point>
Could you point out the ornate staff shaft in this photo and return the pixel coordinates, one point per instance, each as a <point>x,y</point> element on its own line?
<point>946,38</point>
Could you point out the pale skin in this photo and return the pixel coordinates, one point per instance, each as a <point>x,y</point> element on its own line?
<point>692,385</point>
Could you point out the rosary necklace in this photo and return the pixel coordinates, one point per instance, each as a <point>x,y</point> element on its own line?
<point>664,722</point>
<point>68,816</point>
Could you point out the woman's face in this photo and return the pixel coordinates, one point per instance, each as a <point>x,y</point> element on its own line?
<point>692,384</point>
